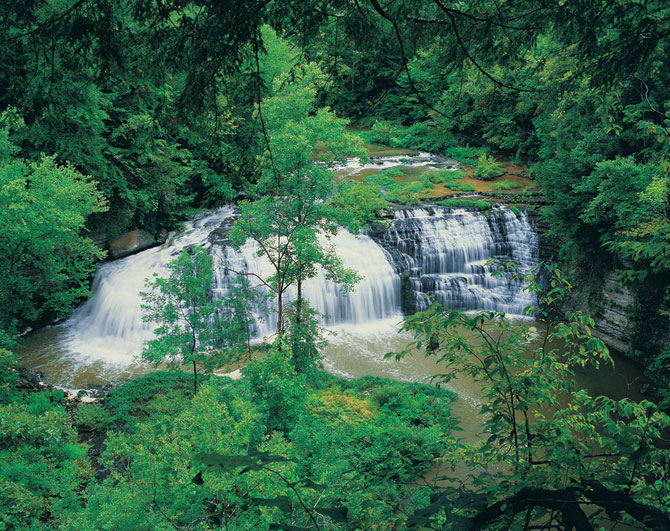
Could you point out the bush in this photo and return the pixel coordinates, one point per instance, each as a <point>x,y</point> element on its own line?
<point>436,177</point>
<point>505,185</point>
<point>393,172</point>
<point>424,178</point>
<point>276,387</point>
<point>414,186</point>
<point>420,135</point>
<point>92,418</point>
<point>465,203</point>
<point>515,210</point>
<point>8,376</point>
<point>402,196</point>
<point>487,168</point>
<point>465,154</point>
<point>137,399</point>
<point>380,179</point>
<point>460,187</point>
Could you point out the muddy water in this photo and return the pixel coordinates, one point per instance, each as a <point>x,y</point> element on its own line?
<point>354,350</point>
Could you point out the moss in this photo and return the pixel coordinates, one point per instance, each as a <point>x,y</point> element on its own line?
<point>505,185</point>
<point>465,203</point>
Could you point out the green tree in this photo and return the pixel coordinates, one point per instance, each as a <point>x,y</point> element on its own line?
<point>194,327</point>
<point>46,258</point>
<point>43,468</point>
<point>552,449</point>
<point>295,189</point>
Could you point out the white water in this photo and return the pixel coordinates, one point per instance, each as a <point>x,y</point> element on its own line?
<point>376,296</point>
<point>441,251</point>
<point>444,253</point>
<point>422,159</point>
<point>109,326</point>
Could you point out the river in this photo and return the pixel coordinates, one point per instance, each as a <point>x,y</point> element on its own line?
<point>425,253</point>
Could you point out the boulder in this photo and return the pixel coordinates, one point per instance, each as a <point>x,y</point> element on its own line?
<point>131,242</point>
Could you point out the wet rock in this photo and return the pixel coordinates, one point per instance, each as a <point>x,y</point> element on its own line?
<point>131,242</point>
<point>162,236</point>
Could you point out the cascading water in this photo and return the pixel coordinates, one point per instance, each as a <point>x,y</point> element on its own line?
<point>436,252</point>
<point>442,254</point>
<point>109,327</point>
<point>376,296</point>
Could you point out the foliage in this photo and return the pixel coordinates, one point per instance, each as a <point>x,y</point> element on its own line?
<point>459,187</point>
<point>182,306</point>
<point>216,460</point>
<point>380,179</point>
<point>393,172</point>
<point>402,194</point>
<point>420,135</point>
<point>465,203</point>
<point>148,395</point>
<point>465,155</point>
<point>92,418</point>
<point>45,256</point>
<point>305,336</point>
<point>487,168</point>
<point>505,185</point>
<point>358,203</point>
<point>548,439</point>
<point>8,376</point>
<point>298,199</point>
<point>276,387</point>
<point>42,467</point>
<point>194,327</point>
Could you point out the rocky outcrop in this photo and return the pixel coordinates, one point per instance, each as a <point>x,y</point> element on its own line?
<point>131,242</point>
<point>613,324</point>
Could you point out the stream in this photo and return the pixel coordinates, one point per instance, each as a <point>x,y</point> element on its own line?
<point>425,253</point>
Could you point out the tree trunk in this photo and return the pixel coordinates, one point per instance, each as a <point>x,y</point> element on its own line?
<point>298,315</point>
<point>280,313</point>
<point>195,378</point>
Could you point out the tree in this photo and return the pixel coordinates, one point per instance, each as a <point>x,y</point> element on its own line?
<point>46,258</point>
<point>296,187</point>
<point>194,327</point>
<point>552,449</point>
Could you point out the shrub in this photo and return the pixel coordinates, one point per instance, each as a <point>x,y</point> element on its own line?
<point>421,135</point>
<point>465,203</point>
<point>380,179</point>
<point>402,195</point>
<point>460,187</point>
<point>505,185</point>
<point>135,399</point>
<point>515,210</point>
<point>383,132</point>
<point>464,154</point>
<point>436,177</point>
<point>487,168</point>
<point>393,172</point>
<point>8,376</point>
<point>92,418</point>
<point>414,186</point>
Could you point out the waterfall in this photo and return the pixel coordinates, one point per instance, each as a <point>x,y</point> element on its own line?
<point>436,252</point>
<point>109,326</point>
<point>442,253</point>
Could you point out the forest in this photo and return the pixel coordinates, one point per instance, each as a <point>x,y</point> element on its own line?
<point>393,265</point>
